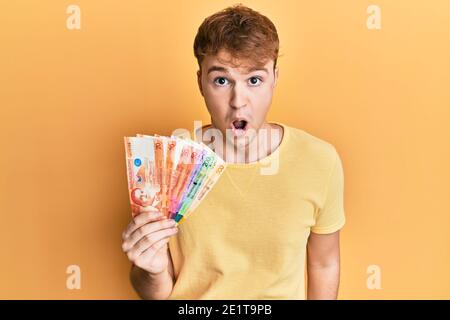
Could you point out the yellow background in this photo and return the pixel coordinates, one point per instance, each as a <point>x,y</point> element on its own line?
<point>67,98</point>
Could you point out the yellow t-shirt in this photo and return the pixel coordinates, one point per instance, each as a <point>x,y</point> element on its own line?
<point>247,239</point>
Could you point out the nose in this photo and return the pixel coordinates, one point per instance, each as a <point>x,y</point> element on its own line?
<point>238,98</point>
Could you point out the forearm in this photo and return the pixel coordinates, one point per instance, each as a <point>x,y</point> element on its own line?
<point>323,282</point>
<point>151,287</point>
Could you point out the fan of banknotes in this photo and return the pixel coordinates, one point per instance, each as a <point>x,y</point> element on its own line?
<point>170,175</point>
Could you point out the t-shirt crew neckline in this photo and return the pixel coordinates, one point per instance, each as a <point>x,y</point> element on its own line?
<point>263,161</point>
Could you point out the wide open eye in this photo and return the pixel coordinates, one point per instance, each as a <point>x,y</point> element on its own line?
<point>255,81</point>
<point>220,81</point>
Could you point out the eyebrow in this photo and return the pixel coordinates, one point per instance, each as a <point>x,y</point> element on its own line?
<point>219,68</point>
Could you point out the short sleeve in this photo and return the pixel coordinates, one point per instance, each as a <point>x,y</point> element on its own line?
<point>331,216</point>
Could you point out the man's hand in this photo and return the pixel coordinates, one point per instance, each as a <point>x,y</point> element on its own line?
<point>323,266</point>
<point>145,241</point>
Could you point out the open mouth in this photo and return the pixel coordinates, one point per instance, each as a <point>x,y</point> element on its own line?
<point>240,124</point>
<point>239,127</point>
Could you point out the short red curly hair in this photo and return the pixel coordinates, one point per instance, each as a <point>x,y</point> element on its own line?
<point>242,32</point>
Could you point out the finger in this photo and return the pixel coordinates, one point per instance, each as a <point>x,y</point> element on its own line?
<point>144,230</point>
<point>139,221</point>
<point>150,252</point>
<point>149,240</point>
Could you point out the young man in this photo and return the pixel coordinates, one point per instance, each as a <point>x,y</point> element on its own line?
<point>250,236</point>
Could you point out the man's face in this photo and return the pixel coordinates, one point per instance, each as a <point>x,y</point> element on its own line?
<point>143,196</point>
<point>237,97</point>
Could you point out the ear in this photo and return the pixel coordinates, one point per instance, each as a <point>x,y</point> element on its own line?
<point>275,77</point>
<point>199,81</point>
